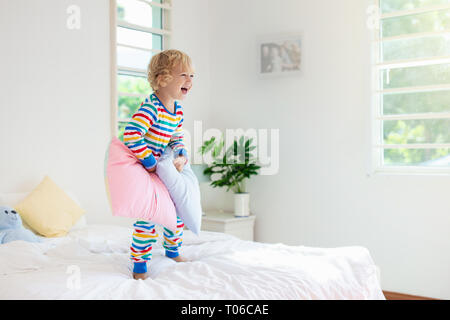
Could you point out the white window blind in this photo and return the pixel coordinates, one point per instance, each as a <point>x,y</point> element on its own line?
<point>139,29</point>
<point>411,67</point>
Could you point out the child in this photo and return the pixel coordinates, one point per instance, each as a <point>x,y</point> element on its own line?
<point>156,125</point>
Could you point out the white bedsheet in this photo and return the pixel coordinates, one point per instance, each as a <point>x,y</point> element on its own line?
<point>222,267</point>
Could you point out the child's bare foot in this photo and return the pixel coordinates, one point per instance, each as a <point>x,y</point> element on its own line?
<point>180,259</point>
<point>141,276</point>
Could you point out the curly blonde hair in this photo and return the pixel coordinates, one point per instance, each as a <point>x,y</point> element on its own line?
<point>160,68</point>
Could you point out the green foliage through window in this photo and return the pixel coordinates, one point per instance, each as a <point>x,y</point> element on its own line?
<point>436,75</point>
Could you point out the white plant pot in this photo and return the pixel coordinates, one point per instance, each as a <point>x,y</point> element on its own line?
<point>242,204</point>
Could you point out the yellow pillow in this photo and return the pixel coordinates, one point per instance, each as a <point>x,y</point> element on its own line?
<point>48,210</point>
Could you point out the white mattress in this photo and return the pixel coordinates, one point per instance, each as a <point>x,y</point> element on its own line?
<point>223,267</point>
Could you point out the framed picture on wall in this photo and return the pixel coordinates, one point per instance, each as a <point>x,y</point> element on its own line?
<point>279,55</point>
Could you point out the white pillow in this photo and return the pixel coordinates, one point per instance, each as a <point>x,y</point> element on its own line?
<point>81,223</point>
<point>184,190</point>
<point>12,199</point>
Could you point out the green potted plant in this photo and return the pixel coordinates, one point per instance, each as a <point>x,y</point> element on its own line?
<point>231,169</point>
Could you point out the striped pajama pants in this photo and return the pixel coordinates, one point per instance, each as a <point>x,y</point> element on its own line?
<point>145,235</point>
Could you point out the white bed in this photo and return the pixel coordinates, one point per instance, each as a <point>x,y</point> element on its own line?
<point>92,263</point>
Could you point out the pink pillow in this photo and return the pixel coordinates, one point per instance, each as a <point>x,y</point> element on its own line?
<point>133,192</point>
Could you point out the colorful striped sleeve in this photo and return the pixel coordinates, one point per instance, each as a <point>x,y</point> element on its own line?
<point>176,140</point>
<point>135,131</point>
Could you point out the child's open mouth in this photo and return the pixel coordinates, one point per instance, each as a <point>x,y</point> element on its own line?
<point>184,90</point>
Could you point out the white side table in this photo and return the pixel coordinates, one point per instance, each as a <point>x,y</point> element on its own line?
<point>226,222</point>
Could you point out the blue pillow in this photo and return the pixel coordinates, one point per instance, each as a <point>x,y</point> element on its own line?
<point>183,188</point>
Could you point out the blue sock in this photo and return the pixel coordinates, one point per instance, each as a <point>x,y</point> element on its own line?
<point>140,267</point>
<point>172,254</point>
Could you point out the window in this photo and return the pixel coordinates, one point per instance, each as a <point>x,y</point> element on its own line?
<point>411,113</point>
<point>139,29</point>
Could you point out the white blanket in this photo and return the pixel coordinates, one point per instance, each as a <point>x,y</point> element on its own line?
<point>93,263</point>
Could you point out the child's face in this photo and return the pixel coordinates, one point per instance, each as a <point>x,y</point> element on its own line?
<point>181,83</point>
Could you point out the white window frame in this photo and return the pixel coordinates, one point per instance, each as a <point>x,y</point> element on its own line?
<point>165,32</point>
<point>377,116</point>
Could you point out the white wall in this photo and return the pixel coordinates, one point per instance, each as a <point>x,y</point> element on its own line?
<point>322,195</point>
<point>190,35</point>
<point>54,106</point>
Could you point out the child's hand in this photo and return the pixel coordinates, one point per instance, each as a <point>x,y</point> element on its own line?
<point>151,170</point>
<point>179,163</point>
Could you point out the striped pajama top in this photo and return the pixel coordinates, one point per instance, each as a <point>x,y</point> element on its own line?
<point>152,128</point>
